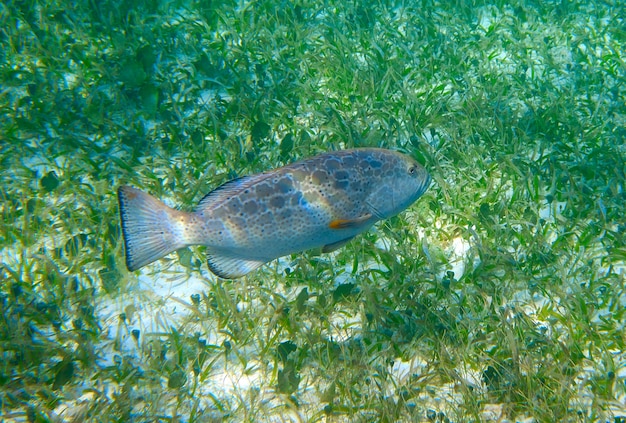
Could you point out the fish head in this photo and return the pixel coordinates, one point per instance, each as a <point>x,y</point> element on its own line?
<point>401,182</point>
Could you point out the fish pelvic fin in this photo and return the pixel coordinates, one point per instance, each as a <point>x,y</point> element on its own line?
<point>148,227</point>
<point>229,267</point>
<point>329,248</point>
<point>350,223</point>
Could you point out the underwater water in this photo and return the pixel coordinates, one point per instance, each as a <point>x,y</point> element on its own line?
<point>499,296</point>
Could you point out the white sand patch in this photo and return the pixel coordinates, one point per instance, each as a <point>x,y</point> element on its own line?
<point>158,302</point>
<point>458,256</point>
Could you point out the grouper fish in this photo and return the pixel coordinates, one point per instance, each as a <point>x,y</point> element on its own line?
<point>319,202</point>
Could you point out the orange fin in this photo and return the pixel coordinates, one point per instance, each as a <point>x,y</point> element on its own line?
<point>349,223</point>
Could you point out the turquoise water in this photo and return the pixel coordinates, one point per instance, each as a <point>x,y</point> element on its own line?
<point>498,296</point>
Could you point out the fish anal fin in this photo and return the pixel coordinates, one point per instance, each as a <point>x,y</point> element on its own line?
<point>229,267</point>
<point>350,223</point>
<point>336,245</point>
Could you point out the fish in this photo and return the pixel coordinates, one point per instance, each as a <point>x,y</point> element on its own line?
<point>319,202</point>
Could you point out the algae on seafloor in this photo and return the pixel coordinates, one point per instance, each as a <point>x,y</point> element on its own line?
<point>500,296</point>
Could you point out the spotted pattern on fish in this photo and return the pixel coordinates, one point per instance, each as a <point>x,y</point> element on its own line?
<point>319,202</point>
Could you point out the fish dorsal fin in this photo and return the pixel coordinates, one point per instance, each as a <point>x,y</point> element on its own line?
<point>229,267</point>
<point>350,223</point>
<point>336,245</point>
<point>229,189</point>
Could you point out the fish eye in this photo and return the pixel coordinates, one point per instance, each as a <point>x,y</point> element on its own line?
<point>412,170</point>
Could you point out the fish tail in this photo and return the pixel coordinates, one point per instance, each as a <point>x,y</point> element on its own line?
<point>148,227</point>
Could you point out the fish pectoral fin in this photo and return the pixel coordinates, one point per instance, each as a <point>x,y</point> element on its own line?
<point>329,248</point>
<point>229,267</point>
<point>350,223</point>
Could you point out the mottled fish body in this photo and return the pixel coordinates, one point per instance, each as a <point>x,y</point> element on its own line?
<point>320,202</point>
